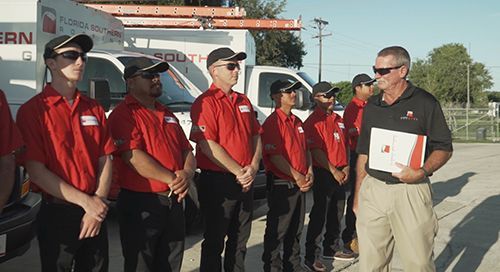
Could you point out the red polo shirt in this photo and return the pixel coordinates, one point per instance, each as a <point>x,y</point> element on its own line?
<point>10,138</point>
<point>67,139</point>
<point>353,116</point>
<point>284,135</point>
<point>228,120</point>
<point>156,132</point>
<point>327,132</point>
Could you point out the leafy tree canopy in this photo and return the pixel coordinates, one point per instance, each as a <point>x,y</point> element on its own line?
<point>444,74</point>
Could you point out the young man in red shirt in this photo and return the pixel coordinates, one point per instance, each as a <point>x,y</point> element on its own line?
<point>228,152</point>
<point>289,174</point>
<point>10,141</point>
<point>326,136</point>
<point>362,87</point>
<point>154,166</point>
<point>68,149</point>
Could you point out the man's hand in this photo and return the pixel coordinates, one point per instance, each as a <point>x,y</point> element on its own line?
<point>89,227</point>
<point>180,185</point>
<point>246,178</point>
<point>345,170</point>
<point>96,207</point>
<point>339,176</point>
<point>305,182</point>
<point>408,175</point>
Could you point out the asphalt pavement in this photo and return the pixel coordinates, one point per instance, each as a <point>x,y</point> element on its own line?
<point>467,202</point>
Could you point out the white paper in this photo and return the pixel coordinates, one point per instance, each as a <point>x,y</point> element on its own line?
<point>389,146</point>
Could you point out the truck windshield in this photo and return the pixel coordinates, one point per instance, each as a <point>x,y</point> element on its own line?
<point>307,78</point>
<point>175,93</point>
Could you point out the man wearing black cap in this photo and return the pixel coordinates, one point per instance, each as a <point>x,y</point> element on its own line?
<point>362,87</point>
<point>68,149</point>
<point>395,208</point>
<point>326,136</point>
<point>289,174</point>
<point>228,150</point>
<point>153,165</point>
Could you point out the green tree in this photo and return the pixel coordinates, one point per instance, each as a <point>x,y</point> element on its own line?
<point>444,74</point>
<point>345,95</point>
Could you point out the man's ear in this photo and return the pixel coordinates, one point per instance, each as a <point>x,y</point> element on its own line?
<point>51,63</point>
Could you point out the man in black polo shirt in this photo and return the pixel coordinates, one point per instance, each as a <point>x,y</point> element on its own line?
<point>397,207</point>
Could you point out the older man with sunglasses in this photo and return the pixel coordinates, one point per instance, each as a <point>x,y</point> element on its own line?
<point>228,150</point>
<point>396,208</point>
<point>153,165</point>
<point>327,139</point>
<point>289,173</point>
<point>67,156</point>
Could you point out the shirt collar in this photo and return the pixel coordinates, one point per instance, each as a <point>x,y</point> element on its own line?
<point>322,113</point>
<point>407,93</point>
<point>358,102</point>
<point>52,96</point>
<point>283,117</point>
<point>219,94</point>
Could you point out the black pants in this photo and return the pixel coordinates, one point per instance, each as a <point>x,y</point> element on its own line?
<point>285,221</point>
<point>228,212</point>
<point>152,231</point>
<point>329,203</point>
<point>58,227</point>
<point>349,232</point>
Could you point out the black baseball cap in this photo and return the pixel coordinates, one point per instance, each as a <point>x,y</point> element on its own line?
<point>143,64</point>
<point>361,79</point>
<point>224,53</point>
<point>83,40</point>
<point>280,86</point>
<point>325,88</point>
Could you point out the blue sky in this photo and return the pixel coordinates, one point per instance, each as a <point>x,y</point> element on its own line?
<point>361,28</point>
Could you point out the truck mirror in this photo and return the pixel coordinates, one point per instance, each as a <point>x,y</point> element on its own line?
<point>302,99</point>
<point>99,90</point>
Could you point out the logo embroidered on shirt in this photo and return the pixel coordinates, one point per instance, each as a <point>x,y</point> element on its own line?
<point>409,116</point>
<point>170,119</point>
<point>88,120</point>
<point>244,108</point>
<point>337,136</point>
<point>341,125</point>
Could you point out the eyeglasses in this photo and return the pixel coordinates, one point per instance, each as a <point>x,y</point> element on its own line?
<point>230,66</point>
<point>289,91</point>
<point>147,75</point>
<point>385,71</point>
<point>72,55</point>
<point>327,95</point>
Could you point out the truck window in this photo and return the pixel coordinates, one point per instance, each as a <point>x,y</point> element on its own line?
<point>265,81</point>
<point>104,69</point>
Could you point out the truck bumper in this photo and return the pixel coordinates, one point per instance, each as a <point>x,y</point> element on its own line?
<point>17,226</point>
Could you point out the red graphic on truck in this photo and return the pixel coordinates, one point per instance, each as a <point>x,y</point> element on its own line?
<point>49,24</point>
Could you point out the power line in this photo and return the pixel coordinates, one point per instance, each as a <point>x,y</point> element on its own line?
<point>320,25</point>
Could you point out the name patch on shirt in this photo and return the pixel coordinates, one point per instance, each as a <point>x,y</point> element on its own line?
<point>341,126</point>
<point>244,108</point>
<point>170,119</point>
<point>300,129</point>
<point>89,120</point>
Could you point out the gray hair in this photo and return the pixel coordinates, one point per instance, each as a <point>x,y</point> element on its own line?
<point>399,53</point>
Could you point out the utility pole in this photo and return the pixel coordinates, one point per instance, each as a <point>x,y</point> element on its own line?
<point>320,25</point>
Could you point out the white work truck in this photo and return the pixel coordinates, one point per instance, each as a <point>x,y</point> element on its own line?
<point>25,27</point>
<point>187,50</point>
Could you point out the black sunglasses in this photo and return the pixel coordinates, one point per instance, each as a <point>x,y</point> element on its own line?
<point>72,55</point>
<point>327,95</point>
<point>384,71</point>
<point>289,91</point>
<point>230,66</point>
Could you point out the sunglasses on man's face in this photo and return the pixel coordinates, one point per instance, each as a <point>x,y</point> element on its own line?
<point>230,66</point>
<point>327,95</point>
<point>72,55</point>
<point>384,71</point>
<point>289,91</point>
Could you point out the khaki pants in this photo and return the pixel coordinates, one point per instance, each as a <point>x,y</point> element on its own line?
<point>400,214</point>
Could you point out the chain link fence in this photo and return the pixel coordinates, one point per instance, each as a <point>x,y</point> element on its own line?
<point>474,124</point>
